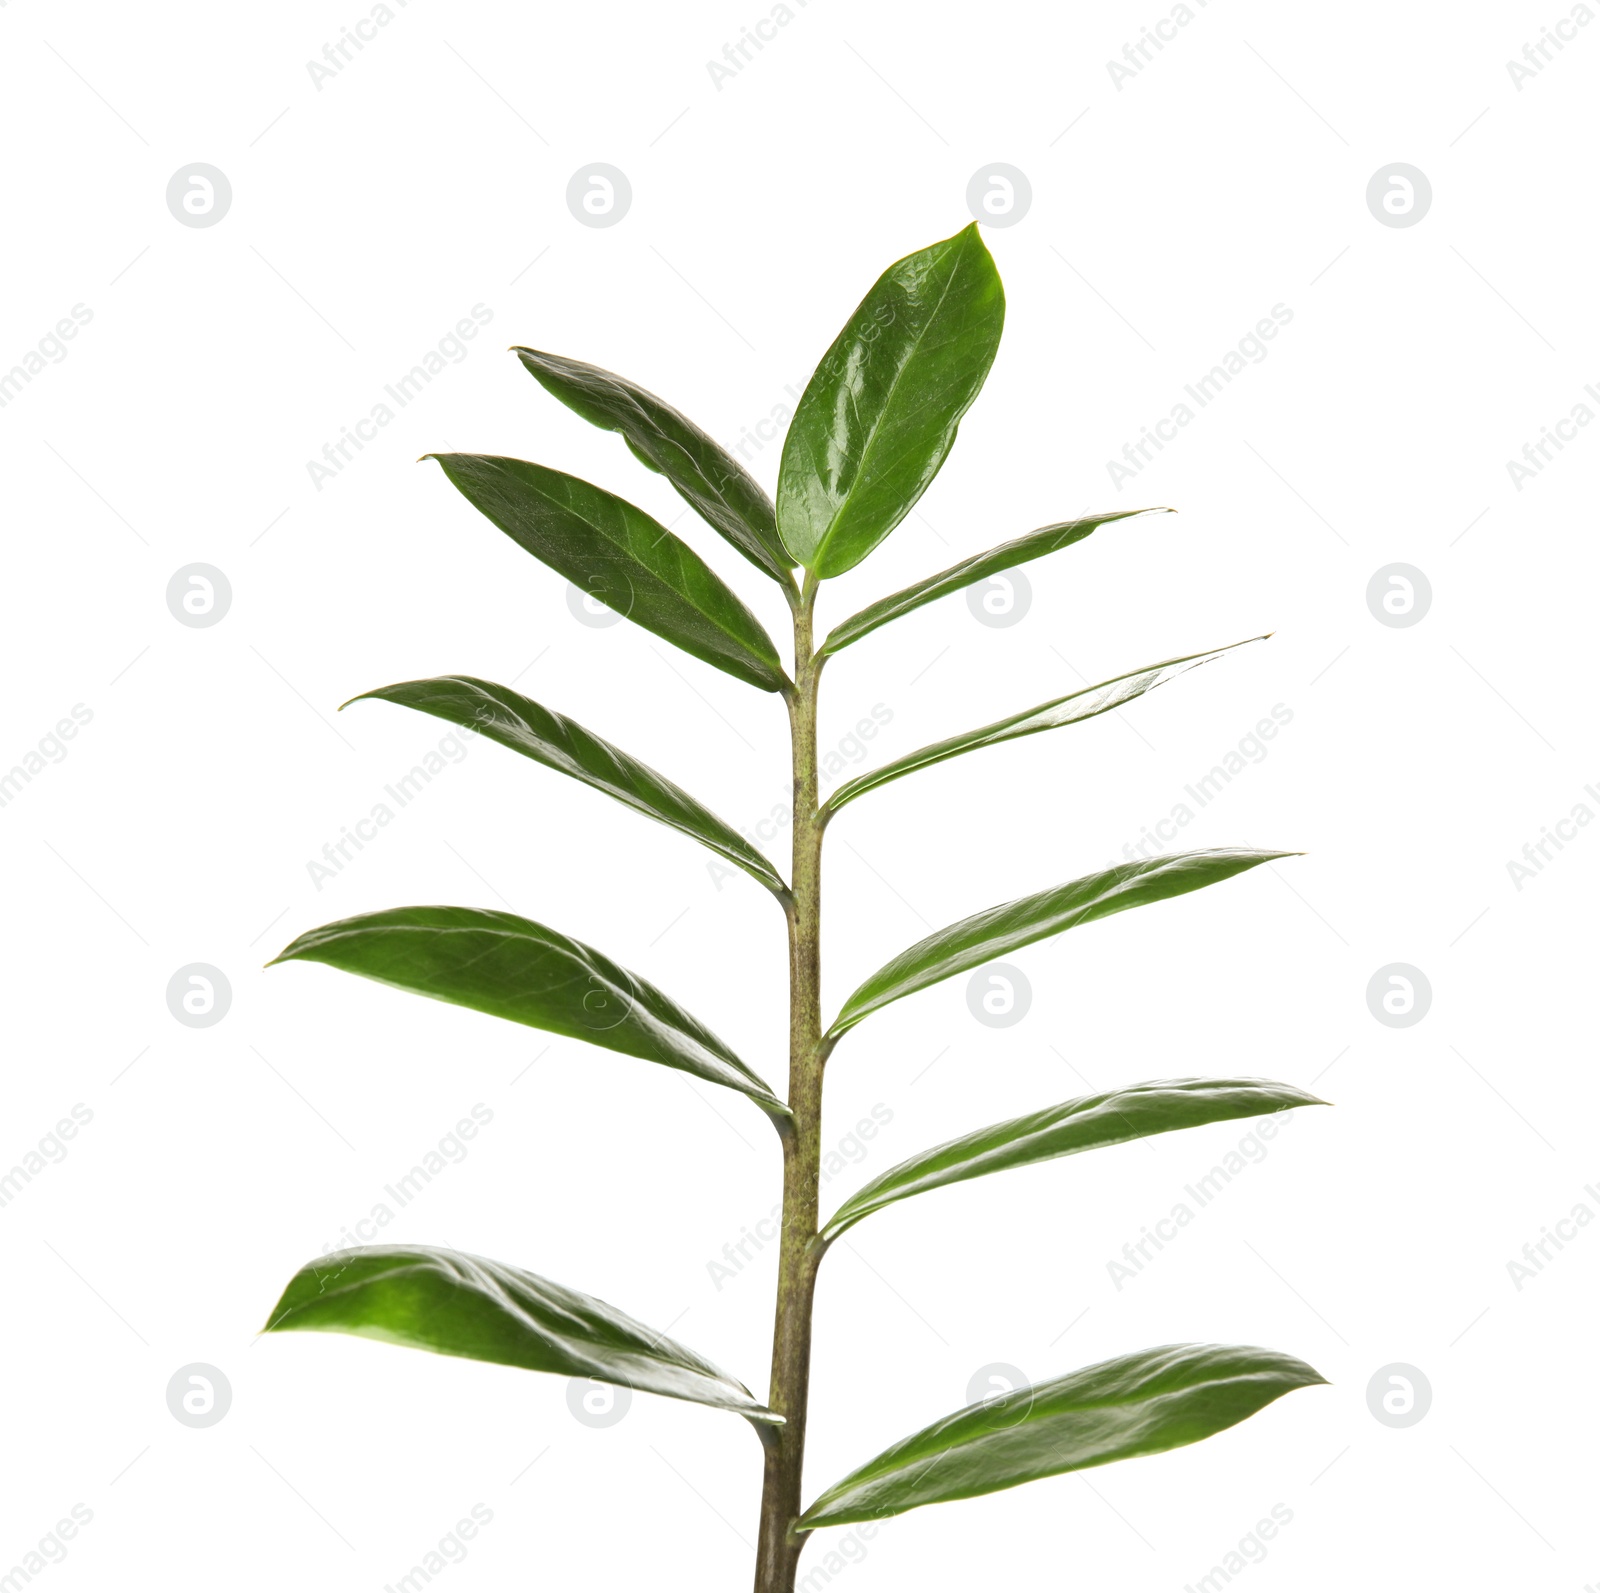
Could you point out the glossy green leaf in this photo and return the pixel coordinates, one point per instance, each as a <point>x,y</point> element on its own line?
<point>1035,545</point>
<point>880,412</point>
<point>1068,710</point>
<point>1133,1405</point>
<point>429,1298</point>
<point>560,743</point>
<point>513,968</point>
<point>620,557</point>
<point>1007,928</point>
<point>706,476</point>
<point>1090,1122</point>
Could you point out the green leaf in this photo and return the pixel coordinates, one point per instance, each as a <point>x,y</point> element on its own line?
<point>560,743</point>
<point>513,968</point>
<point>1035,545</point>
<point>706,476</point>
<point>1133,1405</point>
<point>1068,710</point>
<point>1087,1123</point>
<point>428,1298</point>
<point>622,558</point>
<point>880,412</point>
<point>1012,925</point>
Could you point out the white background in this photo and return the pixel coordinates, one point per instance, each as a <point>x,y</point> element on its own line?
<point>1169,215</point>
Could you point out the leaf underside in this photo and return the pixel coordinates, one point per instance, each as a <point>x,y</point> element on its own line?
<point>1069,710</point>
<point>513,968</point>
<point>560,743</point>
<point>1090,1122</point>
<point>432,1298</point>
<point>998,930</point>
<point>1020,550</point>
<point>1140,1404</point>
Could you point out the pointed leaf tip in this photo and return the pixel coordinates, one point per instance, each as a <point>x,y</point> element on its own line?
<point>880,413</point>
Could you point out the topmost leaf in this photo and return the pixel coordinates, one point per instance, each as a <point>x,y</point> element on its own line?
<point>880,412</point>
<point>707,477</point>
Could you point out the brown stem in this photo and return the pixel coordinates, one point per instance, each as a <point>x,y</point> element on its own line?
<point>778,1551</point>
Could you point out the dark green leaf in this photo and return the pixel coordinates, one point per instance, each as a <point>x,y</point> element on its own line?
<point>1047,539</point>
<point>560,743</point>
<point>1006,928</point>
<point>513,968</point>
<point>706,476</point>
<point>620,557</point>
<point>880,412</point>
<point>1134,1405</point>
<point>1087,1123</point>
<point>1068,710</point>
<point>428,1298</point>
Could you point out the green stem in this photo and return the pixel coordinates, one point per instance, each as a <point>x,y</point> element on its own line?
<point>778,1552</point>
